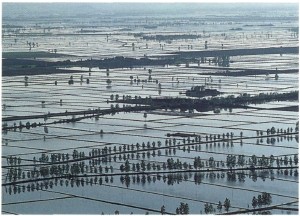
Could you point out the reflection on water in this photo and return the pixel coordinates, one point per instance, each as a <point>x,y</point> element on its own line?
<point>130,164</point>
<point>163,161</point>
<point>37,183</point>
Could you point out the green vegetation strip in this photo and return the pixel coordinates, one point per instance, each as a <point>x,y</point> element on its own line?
<point>237,52</point>
<point>40,54</point>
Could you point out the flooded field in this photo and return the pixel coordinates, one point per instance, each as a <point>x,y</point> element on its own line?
<point>86,140</point>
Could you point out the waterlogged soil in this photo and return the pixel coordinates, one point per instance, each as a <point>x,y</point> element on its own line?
<point>40,95</point>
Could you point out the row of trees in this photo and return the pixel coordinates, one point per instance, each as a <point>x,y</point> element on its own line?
<point>170,164</point>
<point>231,160</point>
<point>80,168</point>
<point>262,199</point>
<point>13,160</point>
<point>278,131</point>
<point>46,184</point>
<point>183,209</point>
<point>240,160</point>
<point>170,179</point>
<point>209,208</point>
<point>71,81</point>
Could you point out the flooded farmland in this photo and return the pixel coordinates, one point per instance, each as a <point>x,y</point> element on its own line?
<point>150,108</point>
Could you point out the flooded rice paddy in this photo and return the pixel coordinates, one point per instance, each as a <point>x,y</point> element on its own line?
<point>156,161</point>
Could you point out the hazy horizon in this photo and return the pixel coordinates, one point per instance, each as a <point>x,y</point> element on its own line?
<point>151,9</point>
